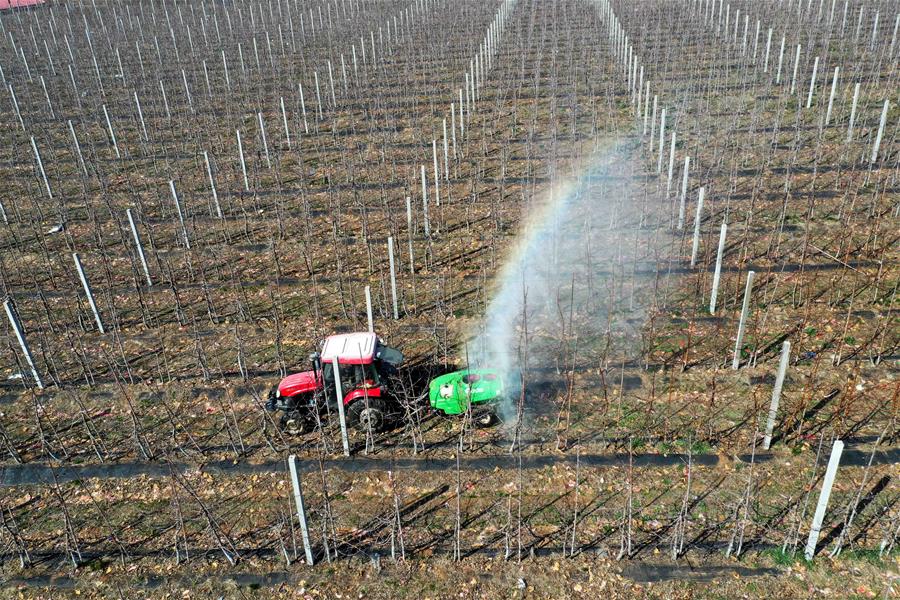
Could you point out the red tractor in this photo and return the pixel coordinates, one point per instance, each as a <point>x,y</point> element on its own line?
<point>365,366</point>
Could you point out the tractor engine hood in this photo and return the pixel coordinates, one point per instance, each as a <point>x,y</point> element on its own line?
<point>298,383</point>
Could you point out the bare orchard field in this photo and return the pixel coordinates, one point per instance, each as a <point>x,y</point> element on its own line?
<point>233,176</point>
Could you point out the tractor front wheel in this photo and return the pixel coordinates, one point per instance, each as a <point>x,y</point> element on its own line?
<point>294,423</point>
<point>368,415</point>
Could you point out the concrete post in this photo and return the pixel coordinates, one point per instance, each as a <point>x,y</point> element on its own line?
<point>340,405</point>
<point>40,163</point>
<point>409,229</point>
<point>853,112</point>
<point>87,291</point>
<point>390,244</point>
<point>718,272</point>
<point>742,326</point>
<point>262,133</point>
<point>23,343</point>
<point>187,242</point>
<point>78,148</point>
<point>425,204</point>
<point>831,96</point>
<point>137,244</point>
<point>243,164</point>
<point>301,509</point>
<point>776,392</point>
<point>112,134</point>
<point>212,184</point>
<point>877,143</point>
<point>695,246</point>
<point>824,495</point>
<point>369,317</point>
<point>684,186</point>
<point>812,83</point>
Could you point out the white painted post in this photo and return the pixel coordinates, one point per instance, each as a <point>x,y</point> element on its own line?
<point>287,133</point>
<point>875,146</point>
<point>112,134</point>
<point>187,242</point>
<point>662,137</point>
<point>776,392</point>
<point>141,117</point>
<point>768,47</point>
<point>137,243</point>
<point>212,184</point>
<point>301,510</point>
<point>23,343</point>
<point>369,317</point>
<point>446,152</point>
<point>780,61</point>
<point>262,133</point>
<point>695,247</point>
<point>187,91</point>
<point>78,149</point>
<point>831,96</point>
<point>796,66</point>
<point>718,272</point>
<point>425,204</point>
<point>742,326</point>
<point>318,94</point>
<point>684,186</point>
<point>40,163</point>
<point>853,112</point>
<point>646,105</point>
<point>671,162</point>
<point>462,124</point>
<point>340,405</point>
<point>812,82</point>
<point>409,230</point>
<point>87,291</point>
<point>243,164</point>
<point>390,244</point>
<point>453,127</point>
<point>437,175</point>
<point>162,90</point>
<point>303,108</point>
<point>830,472</point>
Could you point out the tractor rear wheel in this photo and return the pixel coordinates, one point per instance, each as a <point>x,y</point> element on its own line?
<point>368,415</point>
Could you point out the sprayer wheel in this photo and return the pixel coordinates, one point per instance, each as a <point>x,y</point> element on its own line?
<point>487,418</point>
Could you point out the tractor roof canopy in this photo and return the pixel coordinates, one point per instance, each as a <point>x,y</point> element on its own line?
<point>350,348</point>
<point>358,349</point>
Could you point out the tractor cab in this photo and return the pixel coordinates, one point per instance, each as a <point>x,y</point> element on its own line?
<point>364,367</point>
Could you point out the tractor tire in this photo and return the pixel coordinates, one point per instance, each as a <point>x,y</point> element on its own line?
<point>293,423</point>
<point>374,416</point>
